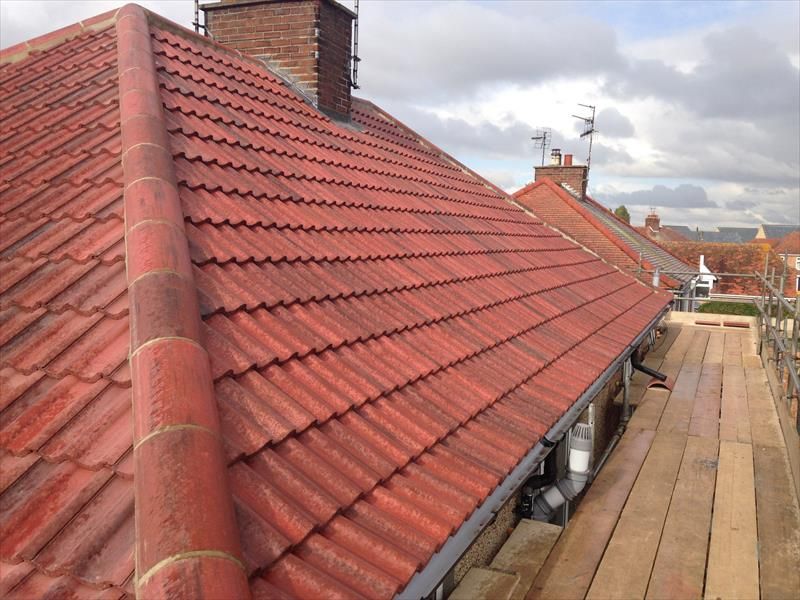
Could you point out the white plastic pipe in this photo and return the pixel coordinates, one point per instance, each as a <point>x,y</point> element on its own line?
<point>580,455</point>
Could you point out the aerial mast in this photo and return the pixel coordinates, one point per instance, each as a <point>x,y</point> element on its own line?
<point>542,140</point>
<point>588,130</point>
<point>354,52</point>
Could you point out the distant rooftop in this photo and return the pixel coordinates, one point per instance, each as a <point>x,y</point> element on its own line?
<point>727,235</point>
<point>776,231</point>
<point>592,225</point>
<point>734,235</point>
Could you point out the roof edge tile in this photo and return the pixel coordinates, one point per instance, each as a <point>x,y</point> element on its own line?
<point>184,510</point>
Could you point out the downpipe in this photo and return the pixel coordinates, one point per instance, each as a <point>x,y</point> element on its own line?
<point>636,363</point>
<point>627,372</point>
<point>537,482</point>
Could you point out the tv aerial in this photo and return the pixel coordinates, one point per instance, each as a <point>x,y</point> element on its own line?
<point>588,130</point>
<point>542,139</point>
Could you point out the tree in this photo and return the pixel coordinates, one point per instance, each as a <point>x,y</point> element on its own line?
<point>623,213</point>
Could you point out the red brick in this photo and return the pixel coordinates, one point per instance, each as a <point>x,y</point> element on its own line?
<point>574,176</point>
<point>283,33</point>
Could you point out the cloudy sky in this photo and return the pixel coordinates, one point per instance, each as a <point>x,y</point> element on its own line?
<point>698,104</point>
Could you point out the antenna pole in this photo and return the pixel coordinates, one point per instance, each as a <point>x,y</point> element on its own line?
<point>588,130</point>
<point>356,59</point>
<point>591,137</point>
<point>542,139</point>
<point>545,143</point>
<point>196,21</point>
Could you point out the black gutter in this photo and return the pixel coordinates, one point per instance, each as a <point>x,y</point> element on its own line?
<point>426,581</point>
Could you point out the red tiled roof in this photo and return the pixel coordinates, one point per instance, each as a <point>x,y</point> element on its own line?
<point>557,208</point>
<point>378,338</point>
<point>735,258</point>
<point>664,234</point>
<point>789,244</point>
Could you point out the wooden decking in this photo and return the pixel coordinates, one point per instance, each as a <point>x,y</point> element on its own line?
<point>697,500</point>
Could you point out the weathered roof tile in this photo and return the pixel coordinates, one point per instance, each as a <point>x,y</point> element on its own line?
<point>385,328</point>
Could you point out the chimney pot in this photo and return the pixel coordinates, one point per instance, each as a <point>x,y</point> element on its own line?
<point>568,160</point>
<point>555,157</point>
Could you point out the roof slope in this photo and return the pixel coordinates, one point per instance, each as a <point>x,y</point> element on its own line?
<point>65,426</point>
<point>681,230</point>
<point>778,231</point>
<point>730,235</point>
<point>581,221</point>
<point>388,336</point>
<point>736,234</point>
<point>652,251</point>
<point>789,244</point>
<point>664,234</point>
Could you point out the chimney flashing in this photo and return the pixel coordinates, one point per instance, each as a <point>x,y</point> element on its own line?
<point>307,43</point>
<point>572,175</point>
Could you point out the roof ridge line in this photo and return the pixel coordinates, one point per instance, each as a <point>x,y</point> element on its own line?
<point>632,228</point>
<point>187,540</point>
<point>601,227</point>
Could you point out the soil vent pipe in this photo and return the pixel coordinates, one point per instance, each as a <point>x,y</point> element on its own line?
<point>568,488</point>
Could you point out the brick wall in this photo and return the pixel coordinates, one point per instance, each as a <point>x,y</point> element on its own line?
<point>573,176</point>
<point>653,222</point>
<point>306,41</point>
<point>334,58</point>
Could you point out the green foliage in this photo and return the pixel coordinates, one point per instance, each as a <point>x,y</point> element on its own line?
<point>623,213</point>
<point>729,308</point>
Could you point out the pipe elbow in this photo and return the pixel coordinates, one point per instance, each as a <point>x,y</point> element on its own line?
<point>567,488</point>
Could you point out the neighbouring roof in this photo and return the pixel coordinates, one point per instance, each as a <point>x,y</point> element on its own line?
<point>381,335</point>
<point>789,244</point>
<point>664,234</point>
<point>778,231</point>
<point>729,235</point>
<point>596,228</point>
<point>738,234</point>
<point>681,230</point>
<point>734,258</point>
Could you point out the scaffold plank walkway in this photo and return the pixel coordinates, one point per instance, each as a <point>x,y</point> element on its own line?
<point>698,498</point>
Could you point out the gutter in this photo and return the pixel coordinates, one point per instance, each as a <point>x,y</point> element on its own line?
<point>426,581</point>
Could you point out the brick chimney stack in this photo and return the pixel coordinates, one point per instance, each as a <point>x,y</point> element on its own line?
<point>307,41</point>
<point>653,222</point>
<point>571,174</point>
